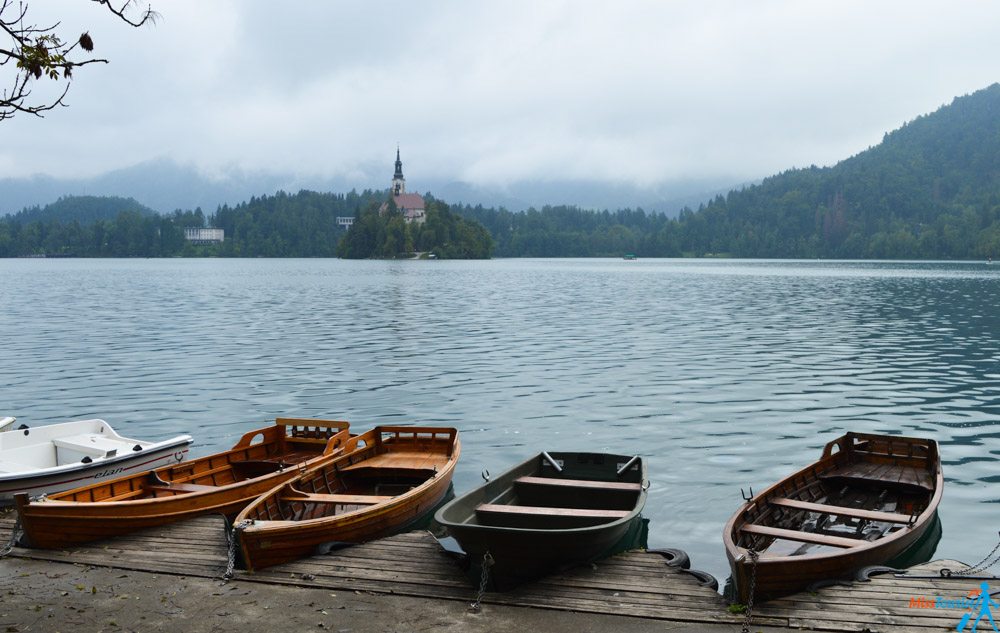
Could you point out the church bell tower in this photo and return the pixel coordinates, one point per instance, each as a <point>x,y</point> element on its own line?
<point>398,182</point>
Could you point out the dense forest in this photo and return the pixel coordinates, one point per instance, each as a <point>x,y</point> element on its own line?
<point>443,235</point>
<point>282,225</point>
<point>929,190</point>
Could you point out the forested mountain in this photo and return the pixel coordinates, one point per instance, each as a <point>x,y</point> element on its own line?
<point>282,225</point>
<point>82,209</point>
<point>443,235</point>
<point>289,225</point>
<point>929,190</point>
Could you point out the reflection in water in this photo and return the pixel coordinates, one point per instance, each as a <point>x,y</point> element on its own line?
<point>722,374</point>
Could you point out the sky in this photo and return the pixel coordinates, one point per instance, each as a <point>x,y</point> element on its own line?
<point>494,93</point>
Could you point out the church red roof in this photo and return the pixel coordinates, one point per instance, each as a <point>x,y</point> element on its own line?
<point>409,201</point>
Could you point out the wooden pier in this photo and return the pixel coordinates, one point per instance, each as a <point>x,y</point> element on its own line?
<point>638,583</point>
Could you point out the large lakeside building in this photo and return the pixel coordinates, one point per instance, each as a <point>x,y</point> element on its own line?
<point>210,235</point>
<point>411,205</point>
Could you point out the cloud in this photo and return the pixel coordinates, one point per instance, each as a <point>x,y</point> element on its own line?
<point>639,92</point>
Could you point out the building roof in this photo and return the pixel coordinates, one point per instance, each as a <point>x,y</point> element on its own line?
<point>409,201</point>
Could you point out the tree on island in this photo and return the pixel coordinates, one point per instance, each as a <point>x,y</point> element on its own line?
<point>33,52</point>
<point>384,234</point>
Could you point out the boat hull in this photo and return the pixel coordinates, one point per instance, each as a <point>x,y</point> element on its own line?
<point>208,485</point>
<point>528,547</point>
<point>913,473</point>
<point>265,543</point>
<point>57,457</point>
<point>95,472</point>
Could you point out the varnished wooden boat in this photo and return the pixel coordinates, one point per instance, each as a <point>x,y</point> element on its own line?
<point>551,511</point>
<point>221,483</point>
<point>866,501</point>
<point>387,479</point>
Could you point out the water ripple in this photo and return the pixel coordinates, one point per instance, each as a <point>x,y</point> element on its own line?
<point>723,374</point>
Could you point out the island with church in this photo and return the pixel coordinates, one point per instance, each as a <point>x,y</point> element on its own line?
<point>411,226</point>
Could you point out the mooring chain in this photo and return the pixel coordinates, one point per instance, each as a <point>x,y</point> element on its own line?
<point>231,539</point>
<point>748,614</point>
<point>991,559</point>
<point>15,535</point>
<point>484,578</point>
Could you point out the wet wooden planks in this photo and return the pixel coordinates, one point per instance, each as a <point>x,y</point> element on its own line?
<point>882,604</point>
<point>890,473</point>
<point>638,584</point>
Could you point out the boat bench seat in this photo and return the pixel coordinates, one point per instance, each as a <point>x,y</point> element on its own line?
<point>88,444</point>
<point>578,483</point>
<point>854,513</point>
<point>499,508</point>
<point>181,487</point>
<point>801,537</point>
<point>866,472</point>
<point>310,497</point>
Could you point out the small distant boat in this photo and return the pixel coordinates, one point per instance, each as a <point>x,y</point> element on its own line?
<point>49,459</point>
<point>629,256</point>
<point>867,500</point>
<point>222,483</point>
<point>387,479</point>
<point>551,511</point>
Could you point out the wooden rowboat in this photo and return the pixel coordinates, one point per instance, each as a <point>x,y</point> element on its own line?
<point>551,511</point>
<point>56,457</point>
<point>221,483</point>
<point>866,501</point>
<point>387,479</point>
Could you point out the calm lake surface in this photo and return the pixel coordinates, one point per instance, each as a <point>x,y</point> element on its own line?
<point>722,374</point>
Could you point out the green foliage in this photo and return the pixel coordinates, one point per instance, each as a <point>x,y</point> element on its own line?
<point>287,225</point>
<point>930,190</point>
<point>379,233</point>
<point>282,225</point>
<point>83,209</point>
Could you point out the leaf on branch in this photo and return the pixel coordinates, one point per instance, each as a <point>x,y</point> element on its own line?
<point>86,43</point>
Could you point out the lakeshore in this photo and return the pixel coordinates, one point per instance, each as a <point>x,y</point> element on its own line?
<point>170,578</point>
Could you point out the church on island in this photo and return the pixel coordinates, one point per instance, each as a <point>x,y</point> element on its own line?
<point>411,205</point>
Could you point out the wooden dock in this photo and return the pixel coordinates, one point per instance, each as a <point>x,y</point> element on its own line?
<point>637,583</point>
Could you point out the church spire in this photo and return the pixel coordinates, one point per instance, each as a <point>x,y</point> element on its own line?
<point>399,166</point>
<point>398,182</point>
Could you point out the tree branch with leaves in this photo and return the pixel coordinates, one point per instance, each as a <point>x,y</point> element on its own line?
<point>30,53</point>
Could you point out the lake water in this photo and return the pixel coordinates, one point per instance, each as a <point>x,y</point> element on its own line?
<point>723,374</point>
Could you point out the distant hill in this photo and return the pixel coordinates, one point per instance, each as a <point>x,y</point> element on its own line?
<point>82,209</point>
<point>930,189</point>
<point>166,186</point>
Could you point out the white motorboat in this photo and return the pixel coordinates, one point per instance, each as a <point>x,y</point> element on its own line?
<point>7,423</point>
<point>46,459</point>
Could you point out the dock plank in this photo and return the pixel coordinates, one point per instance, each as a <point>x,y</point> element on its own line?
<point>638,583</point>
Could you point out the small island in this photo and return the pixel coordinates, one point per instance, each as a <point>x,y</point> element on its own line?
<point>411,226</point>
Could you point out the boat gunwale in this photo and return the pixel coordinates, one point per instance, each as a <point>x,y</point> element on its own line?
<point>634,512</point>
<point>739,555</point>
<point>454,451</point>
<point>334,442</point>
<point>98,462</point>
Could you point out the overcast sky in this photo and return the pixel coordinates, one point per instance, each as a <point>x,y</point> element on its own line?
<point>494,93</point>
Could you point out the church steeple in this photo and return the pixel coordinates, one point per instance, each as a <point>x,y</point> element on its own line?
<point>398,182</point>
